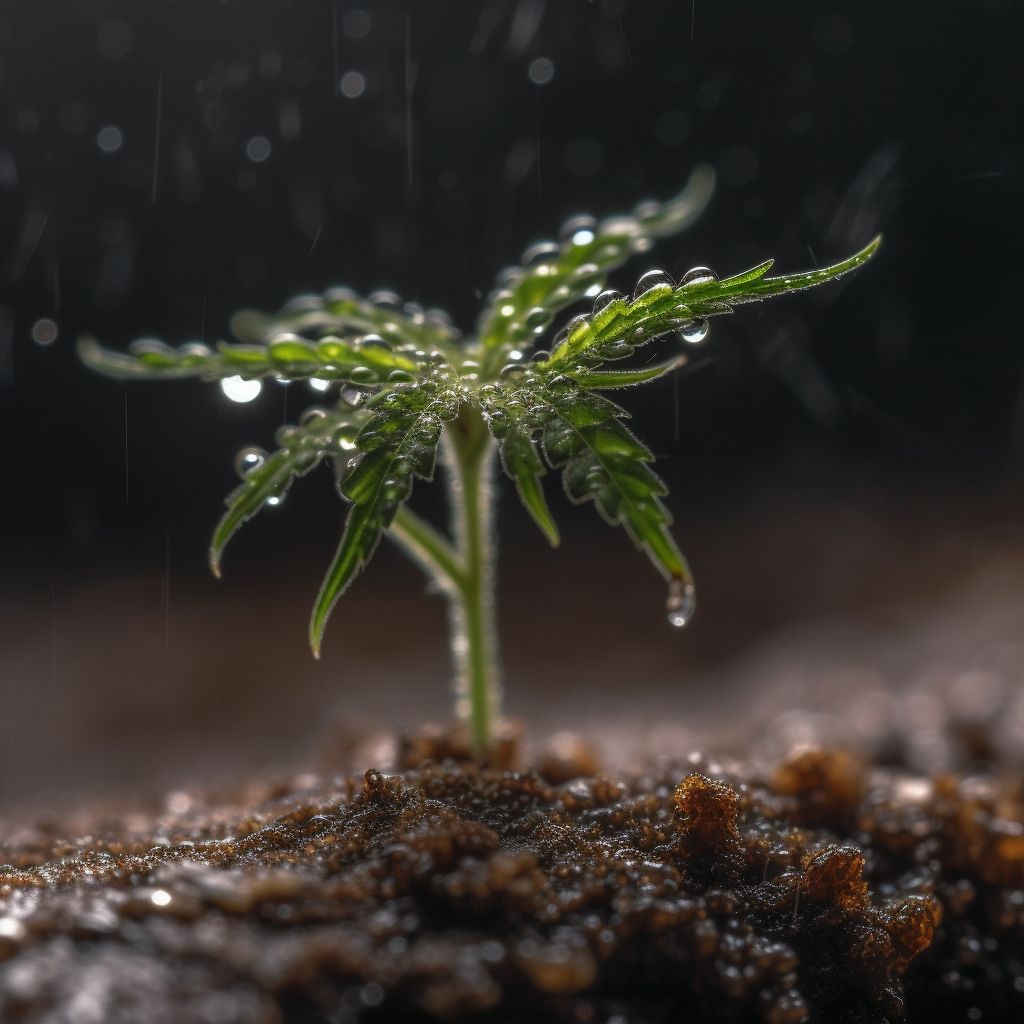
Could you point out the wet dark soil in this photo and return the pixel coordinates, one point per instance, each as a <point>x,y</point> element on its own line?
<point>827,889</point>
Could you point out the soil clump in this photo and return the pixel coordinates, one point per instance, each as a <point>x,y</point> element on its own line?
<point>829,890</point>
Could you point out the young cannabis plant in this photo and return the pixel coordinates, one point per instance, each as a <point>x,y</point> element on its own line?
<point>408,383</point>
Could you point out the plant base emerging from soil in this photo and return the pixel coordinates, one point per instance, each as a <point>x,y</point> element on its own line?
<point>409,384</point>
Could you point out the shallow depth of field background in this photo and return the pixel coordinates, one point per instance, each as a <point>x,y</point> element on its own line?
<point>844,466</point>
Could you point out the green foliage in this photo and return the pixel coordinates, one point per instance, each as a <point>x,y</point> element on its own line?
<point>409,382</point>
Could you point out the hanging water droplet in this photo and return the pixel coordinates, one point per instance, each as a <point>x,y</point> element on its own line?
<point>652,279</point>
<point>606,298</point>
<point>345,437</point>
<point>583,225</point>
<point>249,459</point>
<point>694,331</point>
<point>385,299</point>
<point>699,275</point>
<point>317,384</point>
<point>238,389</point>
<point>681,603</point>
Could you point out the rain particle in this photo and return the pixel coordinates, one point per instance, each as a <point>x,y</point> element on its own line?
<point>353,85</point>
<point>238,389</point>
<point>541,71</point>
<point>44,331</point>
<point>257,149</point>
<point>110,138</point>
<point>357,24</point>
<point>114,40</point>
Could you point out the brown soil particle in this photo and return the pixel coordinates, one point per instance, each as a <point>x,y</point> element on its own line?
<point>832,891</point>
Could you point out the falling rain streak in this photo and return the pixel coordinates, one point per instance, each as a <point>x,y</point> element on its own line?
<point>156,141</point>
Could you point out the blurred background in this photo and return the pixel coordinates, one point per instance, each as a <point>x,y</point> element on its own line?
<point>844,466</point>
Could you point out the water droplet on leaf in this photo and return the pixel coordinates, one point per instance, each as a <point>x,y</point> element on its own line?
<point>605,298</point>
<point>541,252</point>
<point>238,389</point>
<point>652,279</point>
<point>681,603</point>
<point>699,275</point>
<point>249,459</point>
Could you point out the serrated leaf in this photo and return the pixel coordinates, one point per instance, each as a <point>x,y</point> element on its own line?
<point>530,296</point>
<point>341,311</point>
<point>603,461</point>
<point>398,441</point>
<point>305,449</point>
<point>621,326</point>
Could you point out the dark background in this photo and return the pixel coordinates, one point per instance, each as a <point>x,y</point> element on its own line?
<point>815,448</point>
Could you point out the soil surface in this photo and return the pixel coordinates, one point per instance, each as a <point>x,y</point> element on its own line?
<point>829,889</point>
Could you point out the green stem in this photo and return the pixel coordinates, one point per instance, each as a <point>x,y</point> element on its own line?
<point>469,455</point>
<point>423,544</point>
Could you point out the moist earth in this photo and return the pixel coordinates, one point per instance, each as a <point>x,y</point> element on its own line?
<point>829,889</point>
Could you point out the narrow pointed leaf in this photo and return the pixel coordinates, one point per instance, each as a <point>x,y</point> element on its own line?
<point>522,462</point>
<point>603,461</point>
<point>595,379</point>
<point>529,297</point>
<point>398,441</point>
<point>327,434</point>
<point>621,326</point>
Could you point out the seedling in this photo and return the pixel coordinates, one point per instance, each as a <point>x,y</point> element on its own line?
<point>408,384</point>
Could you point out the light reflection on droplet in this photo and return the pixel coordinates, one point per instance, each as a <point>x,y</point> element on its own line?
<point>541,71</point>
<point>238,389</point>
<point>257,149</point>
<point>583,237</point>
<point>44,331</point>
<point>353,85</point>
<point>515,354</point>
<point>319,385</point>
<point>161,897</point>
<point>110,138</point>
<point>507,310</point>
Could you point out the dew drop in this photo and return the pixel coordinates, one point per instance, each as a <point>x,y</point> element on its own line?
<point>681,603</point>
<point>249,459</point>
<point>699,275</point>
<point>538,318</point>
<point>238,389</point>
<point>319,385</point>
<point>583,226</point>
<point>373,341</point>
<point>150,346</point>
<point>363,375</point>
<point>195,348</point>
<point>652,279</point>
<point>605,298</point>
<point>540,356</point>
<point>539,253</point>
<point>385,299</point>
<point>353,396</point>
<point>694,331</point>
